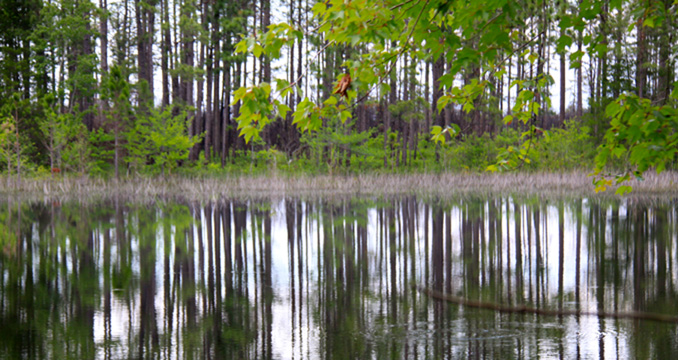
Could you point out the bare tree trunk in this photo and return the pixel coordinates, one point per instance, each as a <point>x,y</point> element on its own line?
<point>178,96</point>
<point>186,85</point>
<point>508,86</point>
<point>201,117</point>
<point>145,19</point>
<point>166,53</point>
<point>226,118</point>
<point>438,71</point>
<point>563,77</point>
<point>103,33</point>
<point>603,68</point>
<point>580,70</point>
<point>265,22</point>
<point>216,98</point>
<point>641,69</point>
<point>84,95</point>
<point>427,95</point>
<point>665,42</point>
<point>392,98</point>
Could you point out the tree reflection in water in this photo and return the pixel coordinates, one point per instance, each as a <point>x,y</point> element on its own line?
<point>332,278</point>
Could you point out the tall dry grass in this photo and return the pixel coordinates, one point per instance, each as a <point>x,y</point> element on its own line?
<point>574,183</point>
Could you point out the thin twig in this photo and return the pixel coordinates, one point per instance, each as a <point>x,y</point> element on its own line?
<point>296,81</point>
<point>515,51</point>
<point>402,50</point>
<point>394,7</point>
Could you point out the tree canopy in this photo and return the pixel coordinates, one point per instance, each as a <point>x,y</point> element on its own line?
<point>475,39</point>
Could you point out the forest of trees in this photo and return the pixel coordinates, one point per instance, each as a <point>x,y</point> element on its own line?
<point>124,85</point>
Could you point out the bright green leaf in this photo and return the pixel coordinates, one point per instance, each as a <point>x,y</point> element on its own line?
<point>623,190</point>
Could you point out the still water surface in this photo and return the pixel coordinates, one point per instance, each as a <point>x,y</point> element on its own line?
<point>333,278</point>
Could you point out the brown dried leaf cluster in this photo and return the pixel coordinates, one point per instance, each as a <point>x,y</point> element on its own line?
<point>343,85</point>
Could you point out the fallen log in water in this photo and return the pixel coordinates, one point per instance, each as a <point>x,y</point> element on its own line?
<point>548,312</point>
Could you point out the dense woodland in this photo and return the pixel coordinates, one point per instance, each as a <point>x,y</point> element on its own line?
<point>128,86</point>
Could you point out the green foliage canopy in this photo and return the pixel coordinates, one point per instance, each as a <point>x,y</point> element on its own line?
<point>159,139</point>
<point>467,33</point>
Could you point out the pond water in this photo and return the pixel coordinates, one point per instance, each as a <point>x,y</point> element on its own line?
<point>333,278</point>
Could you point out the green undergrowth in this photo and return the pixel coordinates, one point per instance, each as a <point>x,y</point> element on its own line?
<point>571,148</point>
<point>558,150</point>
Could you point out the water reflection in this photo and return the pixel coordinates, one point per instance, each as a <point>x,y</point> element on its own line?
<point>332,278</point>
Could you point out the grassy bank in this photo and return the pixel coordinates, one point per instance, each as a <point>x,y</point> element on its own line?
<point>444,184</point>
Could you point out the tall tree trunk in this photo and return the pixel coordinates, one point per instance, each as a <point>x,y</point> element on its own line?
<point>226,117</point>
<point>438,71</point>
<point>202,113</point>
<point>666,39</point>
<point>641,69</point>
<point>216,113</point>
<point>103,34</point>
<point>580,70</point>
<point>86,92</point>
<point>508,86</point>
<point>166,53</point>
<point>563,89</point>
<point>145,19</point>
<point>542,50</point>
<point>603,90</point>
<point>288,128</point>
<point>427,95</point>
<point>392,99</point>
<point>176,55</point>
<point>188,77</point>
<point>563,77</point>
<point>265,22</point>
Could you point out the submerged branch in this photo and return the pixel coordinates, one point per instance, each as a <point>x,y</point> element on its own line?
<point>548,312</point>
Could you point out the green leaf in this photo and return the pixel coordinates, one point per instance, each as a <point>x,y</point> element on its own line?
<point>281,84</point>
<point>319,8</point>
<point>563,42</point>
<point>612,109</point>
<point>649,22</point>
<point>345,115</point>
<point>602,184</point>
<point>241,47</point>
<point>454,129</point>
<point>618,151</point>
<point>623,190</point>
<point>438,135</point>
<point>601,49</point>
<point>526,95</point>
<point>385,88</point>
<point>468,107</point>
<point>257,50</point>
<point>442,102</point>
<point>367,75</point>
<point>283,109</point>
<point>446,80</point>
<point>248,132</point>
<point>616,4</point>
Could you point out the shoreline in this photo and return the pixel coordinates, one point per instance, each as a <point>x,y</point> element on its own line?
<point>276,185</point>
